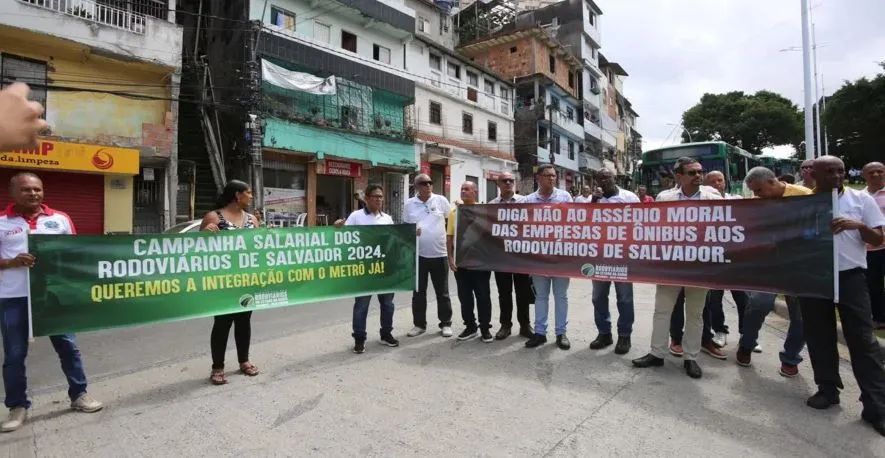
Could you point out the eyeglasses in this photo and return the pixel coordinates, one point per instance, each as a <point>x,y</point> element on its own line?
<point>507,180</point>
<point>694,173</point>
<point>425,183</point>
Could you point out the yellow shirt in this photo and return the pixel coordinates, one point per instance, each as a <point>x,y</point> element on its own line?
<point>450,224</point>
<point>793,190</point>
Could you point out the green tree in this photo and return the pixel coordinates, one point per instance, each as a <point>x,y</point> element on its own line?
<point>854,119</point>
<point>750,121</point>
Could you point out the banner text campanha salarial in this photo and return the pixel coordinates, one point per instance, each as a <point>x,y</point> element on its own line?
<point>162,256</point>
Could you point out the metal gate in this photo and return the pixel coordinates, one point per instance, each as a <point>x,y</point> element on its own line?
<point>395,197</point>
<point>148,198</point>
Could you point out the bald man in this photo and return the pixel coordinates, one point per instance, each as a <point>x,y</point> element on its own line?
<point>858,222</point>
<point>874,175</point>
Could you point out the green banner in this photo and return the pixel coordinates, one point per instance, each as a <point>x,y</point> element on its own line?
<point>83,283</point>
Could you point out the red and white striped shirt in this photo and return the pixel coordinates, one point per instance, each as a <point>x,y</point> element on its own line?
<point>14,230</point>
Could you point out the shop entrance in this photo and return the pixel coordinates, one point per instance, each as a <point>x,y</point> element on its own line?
<point>334,198</point>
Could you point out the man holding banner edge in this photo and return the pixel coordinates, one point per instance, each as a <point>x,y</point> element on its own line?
<point>27,215</point>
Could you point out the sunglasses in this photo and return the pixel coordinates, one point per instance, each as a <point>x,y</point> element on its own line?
<point>425,183</point>
<point>507,180</point>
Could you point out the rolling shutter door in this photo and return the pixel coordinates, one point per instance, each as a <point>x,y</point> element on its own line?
<point>79,195</point>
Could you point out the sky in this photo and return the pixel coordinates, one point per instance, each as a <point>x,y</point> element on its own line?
<point>677,50</point>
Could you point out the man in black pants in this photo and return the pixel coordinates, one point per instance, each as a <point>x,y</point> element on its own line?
<point>507,281</point>
<point>428,212</point>
<point>859,221</point>
<point>470,282</point>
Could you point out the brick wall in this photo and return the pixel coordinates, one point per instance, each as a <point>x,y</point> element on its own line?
<point>525,57</point>
<point>159,136</point>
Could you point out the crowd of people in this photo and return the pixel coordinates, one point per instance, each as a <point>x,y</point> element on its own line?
<point>686,320</point>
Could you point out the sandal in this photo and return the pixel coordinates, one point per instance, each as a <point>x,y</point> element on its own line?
<point>217,377</point>
<point>249,369</point>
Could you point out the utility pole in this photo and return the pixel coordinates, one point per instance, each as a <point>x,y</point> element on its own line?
<point>817,95</point>
<point>253,122</point>
<point>826,151</point>
<point>806,70</point>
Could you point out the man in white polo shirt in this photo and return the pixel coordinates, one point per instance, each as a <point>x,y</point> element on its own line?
<point>28,215</point>
<point>613,194</point>
<point>874,175</point>
<point>428,211</point>
<point>857,223</point>
<point>371,215</point>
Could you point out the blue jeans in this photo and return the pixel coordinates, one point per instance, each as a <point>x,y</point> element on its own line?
<point>361,312</point>
<point>602,315</point>
<point>542,303</point>
<point>14,326</point>
<point>757,309</point>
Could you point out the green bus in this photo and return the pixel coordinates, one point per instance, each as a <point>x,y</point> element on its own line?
<point>656,171</point>
<point>781,166</point>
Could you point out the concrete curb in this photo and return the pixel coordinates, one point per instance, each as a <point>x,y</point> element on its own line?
<point>780,307</point>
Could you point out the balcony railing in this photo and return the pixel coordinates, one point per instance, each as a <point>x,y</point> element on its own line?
<point>354,109</point>
<point>130,15</point>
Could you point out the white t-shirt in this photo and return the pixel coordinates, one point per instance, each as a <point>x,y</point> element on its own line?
<point>430,217</point>
<point>558,197</point>
<point>365,218</point>
<point>583,200</point>
<point>859,206</point>
<point>14,230</point>
<point>622,197</point>
<point>879,197</point>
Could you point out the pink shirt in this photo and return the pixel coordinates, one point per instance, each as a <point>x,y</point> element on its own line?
<point>879,197</point>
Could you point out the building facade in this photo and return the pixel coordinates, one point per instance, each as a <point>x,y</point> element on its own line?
<point>463,111</point>
<point>308,152</point>
<point>548,125</point>
<point>108,75</point>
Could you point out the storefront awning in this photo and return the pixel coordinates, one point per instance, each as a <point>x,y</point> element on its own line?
<point>74,157</point>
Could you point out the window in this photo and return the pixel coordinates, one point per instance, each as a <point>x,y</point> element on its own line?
<point>454,70</point>
<point>513,50</point>
<point>592,18</point>
<point>552,64</point>
<point>322,32</point>
<point>31,72</point>
<point>491,189</point>
<point>570,113</point>
<point>472,94</point>
<point>282,18</point>
<point>435,113</point>
<point>490,87</point>
<point>467,123</point>
<point>348,41</point>
<point>542,136</point>
<point>554,102</point>
<point>472,79</point>
<point>505,93</point>
<point>493,131</point>
<point>555,144</point>
<point>423,25</point>
<point>571,150</point>
<point>435,62</point>
<point>571,80</point>
<point>381,54</point>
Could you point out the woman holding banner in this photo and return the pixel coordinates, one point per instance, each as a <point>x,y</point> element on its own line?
<point>231,215</point>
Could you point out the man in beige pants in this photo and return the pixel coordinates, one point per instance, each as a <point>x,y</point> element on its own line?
<point>689,174</point>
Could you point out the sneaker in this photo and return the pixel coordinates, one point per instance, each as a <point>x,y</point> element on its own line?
<point>757,349</point>
<point>389,341</point>
<point>416,331</point>
<point>788,370</point>
<point>86,403</point>
<point>447,331</point>
<point>536,341</point>
<point>720,339</point>
<point>712,350</point>
<point>467,334</point>
<point>486,336</point>
<point>676,349</point>
<point>744,357</point>
<point>17,418</point>
<point>359,346</point>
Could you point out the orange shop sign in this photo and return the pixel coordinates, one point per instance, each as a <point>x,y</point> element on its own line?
<point>52,155</point>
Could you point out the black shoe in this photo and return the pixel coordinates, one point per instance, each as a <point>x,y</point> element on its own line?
<point>526,332</point>
<point>602,341</point>
<point>877,423</point>
<point>563,342</point>
<point>623,346</point>
<point>648,360</point>
<point>536,341</point>
<point>503,333</point>
<point>389,341</point>
<point>692,368</point>
<point>486,335</point>
<point>823,400</point>
<point>467,334</point>
<point>359,346</point>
